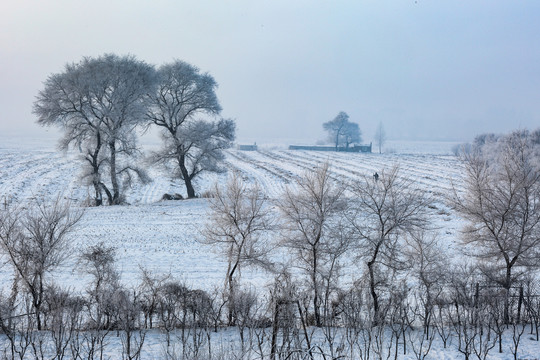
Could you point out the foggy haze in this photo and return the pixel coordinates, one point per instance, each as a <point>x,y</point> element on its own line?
<point>438,70</point>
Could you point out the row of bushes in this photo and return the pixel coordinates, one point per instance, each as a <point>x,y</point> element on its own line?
<point>462,313</point>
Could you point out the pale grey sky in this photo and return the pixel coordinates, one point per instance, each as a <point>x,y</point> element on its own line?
<point>428,69</point>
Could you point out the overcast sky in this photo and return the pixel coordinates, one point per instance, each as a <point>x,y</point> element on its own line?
<point>426,69</point>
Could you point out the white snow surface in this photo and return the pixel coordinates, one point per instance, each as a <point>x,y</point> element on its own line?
<point>162,236</point>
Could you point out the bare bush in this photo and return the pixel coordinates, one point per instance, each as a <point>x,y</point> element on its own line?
<point>36,241</point>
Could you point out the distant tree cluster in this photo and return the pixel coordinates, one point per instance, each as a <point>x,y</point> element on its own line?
<point>342,132</point>
<point>100,104</point>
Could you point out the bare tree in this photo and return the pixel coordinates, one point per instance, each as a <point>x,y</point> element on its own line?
<point>532,306</point>
<point>461,313</point>
<point>427,264</point>
<point>133,334</point>
<point>99,262</point>
<point>63,318</point>
<point>420,341</point>
<point>501,205</point>
<point>384,211</point>
<point>191,145</point>
<point>98,103</point>
<point>287,311</point>
<point>380,137</point>
<point>312,213</point>
<point>35,242</point>
<point>19,329</point>
<point>341,131</point>
<point>150,289</point>
<point>472,314</point>
<point>192,312</point>
<point>239,223</point>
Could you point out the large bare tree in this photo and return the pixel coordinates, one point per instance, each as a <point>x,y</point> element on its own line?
<point>190,144</point>
<point>98,103</point>
<point>501,205</point>
<point>312,212</point>
<point>384,209</point>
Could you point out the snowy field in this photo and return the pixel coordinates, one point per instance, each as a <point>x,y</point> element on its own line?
<point>162,236</point>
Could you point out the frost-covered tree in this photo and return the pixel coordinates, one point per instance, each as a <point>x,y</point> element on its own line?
<point>501,205</point>
<point>341,131</point>
<point>190,144</point>
<point>383,210</point>
<point>98,103</point>
<point>312,213</point>
<point>239,223</point>
<point>98,261</point>
<point>34,242</point>
<point>351,134</point>
<point>427,262</point>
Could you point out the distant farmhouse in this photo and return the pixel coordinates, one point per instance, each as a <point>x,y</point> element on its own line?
<point>355,148</point>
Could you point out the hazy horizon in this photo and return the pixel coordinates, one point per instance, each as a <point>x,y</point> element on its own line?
<point>440,70</point>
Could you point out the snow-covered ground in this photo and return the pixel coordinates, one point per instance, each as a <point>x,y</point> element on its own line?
<point>162,236</point>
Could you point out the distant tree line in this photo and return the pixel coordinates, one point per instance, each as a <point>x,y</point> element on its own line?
<point>100,103</point>
<point>405,296</point>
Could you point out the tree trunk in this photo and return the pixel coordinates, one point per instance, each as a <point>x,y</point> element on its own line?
<point>230,280</point>
<point>316,305</point>
<point>37,295</point>
<point>114,179</point>
<point>185,175</point>
<point>109,195</point>
<point>520,304</point>
<point>275,328</point>
<point>373,292</point>
<point>230,317</point>
<point>98,197</point>
<point>372,285</point>
<point>507,286</point>
<point>94,162</point>
<point>302,319</point>
<point>427,313</point>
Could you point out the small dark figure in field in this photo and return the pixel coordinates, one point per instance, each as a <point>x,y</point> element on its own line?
<point>376,177</point>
